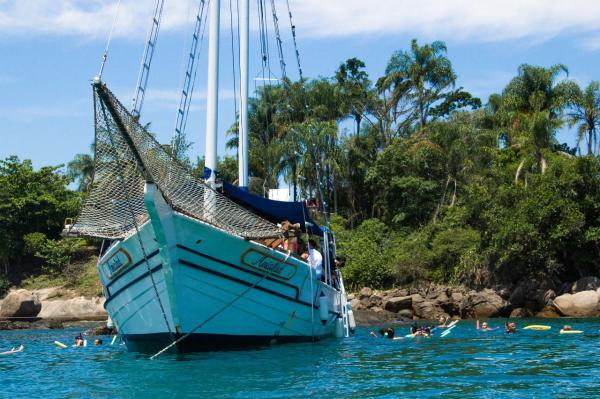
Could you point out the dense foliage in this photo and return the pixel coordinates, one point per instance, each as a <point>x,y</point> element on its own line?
<point>423,182</point>
<point>30,202</point>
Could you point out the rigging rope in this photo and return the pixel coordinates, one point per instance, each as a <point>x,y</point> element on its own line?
<point>218,312</point>
<point>133,217</point>
<point>110,33</point>
<point>233,51</point>
<point>293,27</point>
<point>142,82</point>
<point>278,38</point>
<point>178,141</point>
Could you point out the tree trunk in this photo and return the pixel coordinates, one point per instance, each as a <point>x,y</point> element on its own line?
<point>590,140</point>
<point>294,178</point>
<point>453,195</point>
<point>543,164</point>
<point>519,169</point>
<point>442,200</point>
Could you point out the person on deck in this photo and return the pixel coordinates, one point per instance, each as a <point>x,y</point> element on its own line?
<point>315,259</point>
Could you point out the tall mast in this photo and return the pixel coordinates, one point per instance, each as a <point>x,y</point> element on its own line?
<point>243,119</point>
<point>212,95</point>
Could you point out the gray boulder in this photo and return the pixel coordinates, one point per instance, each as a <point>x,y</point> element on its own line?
<point>425,309</point>
<point>20,303</point>
<point>520,312</point>
<point>366,292</point>
<point>356,304</point>
<point>373,300</point>
<point>74,309</point>
<point>397,304</point>
<point>406,314</point>
<point>581,304</point>
<point>367,317</point>
<point>586,284</point>
<point>483,304</point>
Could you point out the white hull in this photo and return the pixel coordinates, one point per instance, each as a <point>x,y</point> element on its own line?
<point>221,288</point>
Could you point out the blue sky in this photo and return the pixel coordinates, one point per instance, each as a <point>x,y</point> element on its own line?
<point>52,49</point>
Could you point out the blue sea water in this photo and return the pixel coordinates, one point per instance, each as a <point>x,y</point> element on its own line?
<point>465,364</point>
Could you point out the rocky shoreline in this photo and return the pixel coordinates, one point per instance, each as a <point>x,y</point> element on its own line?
<point>48,308</point>
<point>53,307</point>
<point>530,298</point>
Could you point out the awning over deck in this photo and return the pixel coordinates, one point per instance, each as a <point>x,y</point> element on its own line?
<point>274,211</point>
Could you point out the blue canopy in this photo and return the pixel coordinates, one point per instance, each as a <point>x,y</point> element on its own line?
<point>274,211</point>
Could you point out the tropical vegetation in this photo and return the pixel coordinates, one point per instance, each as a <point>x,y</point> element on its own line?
<point>422,181</point>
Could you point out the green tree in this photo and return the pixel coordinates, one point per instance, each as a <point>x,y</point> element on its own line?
<point>354,86</point>
<point>532,108</point>
<point>423,75</point>
<point>31,201</point>
<point>81,169</point>
<point>584,113</point>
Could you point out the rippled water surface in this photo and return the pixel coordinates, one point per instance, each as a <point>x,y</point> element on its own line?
<point>464,364</point>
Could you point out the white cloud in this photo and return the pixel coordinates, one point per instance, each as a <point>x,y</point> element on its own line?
<point>482,20</point>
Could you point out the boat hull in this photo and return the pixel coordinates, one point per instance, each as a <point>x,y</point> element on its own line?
<point>218,290</point>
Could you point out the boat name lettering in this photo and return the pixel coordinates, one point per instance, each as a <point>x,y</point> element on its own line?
<point>269,265</point>
<point>265,262</point>
<point>117,261</point>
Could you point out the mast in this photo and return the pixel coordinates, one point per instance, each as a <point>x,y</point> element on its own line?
<point>243,119</point>
<point>212,96</point>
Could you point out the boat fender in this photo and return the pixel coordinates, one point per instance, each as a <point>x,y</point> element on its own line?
<point>351,321</point>
<point>323,308</point>
<point>339,328</point>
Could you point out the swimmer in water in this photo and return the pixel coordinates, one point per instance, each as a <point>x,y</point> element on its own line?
<point>510,327</point>
<point>485,326</point>
<point>442,321</point>
<point>388,333</point>
<point>567,328</point>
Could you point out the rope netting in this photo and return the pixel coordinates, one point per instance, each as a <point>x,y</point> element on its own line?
<point>126,156</point>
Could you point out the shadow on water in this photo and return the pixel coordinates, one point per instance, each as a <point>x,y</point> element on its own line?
<point>465,364</point>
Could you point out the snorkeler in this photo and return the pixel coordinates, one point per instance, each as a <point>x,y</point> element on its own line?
<point>510,327</point>
<point>79,341</point>
<point>442,321</point>
<point>388,333</point>
<point>484,326</point>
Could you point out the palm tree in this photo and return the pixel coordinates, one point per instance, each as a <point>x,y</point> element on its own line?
<point>532,110</point>
<point>81,169</point>
<point>422,75</point>
<point>585,114</point>
<point>354,85</point>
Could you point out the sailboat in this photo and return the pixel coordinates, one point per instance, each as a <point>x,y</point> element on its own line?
<point>193,264</point>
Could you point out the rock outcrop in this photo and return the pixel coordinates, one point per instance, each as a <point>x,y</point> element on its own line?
<point>580,304</point>
<point>74,309</point>
<point>590,283</point>
<point>20,304</point>
<point>484,304</point>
